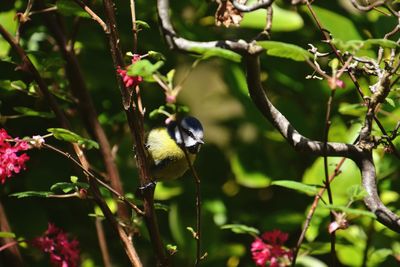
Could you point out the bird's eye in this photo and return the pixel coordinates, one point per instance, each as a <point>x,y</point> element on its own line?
<point>188,132</point>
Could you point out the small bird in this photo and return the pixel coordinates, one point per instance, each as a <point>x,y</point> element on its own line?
<point>165,146</point>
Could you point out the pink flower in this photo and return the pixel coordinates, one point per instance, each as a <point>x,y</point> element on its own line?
<point>130,80</point>
<point>10,161</point>
<point>269,250</point>
<point>63,252</point>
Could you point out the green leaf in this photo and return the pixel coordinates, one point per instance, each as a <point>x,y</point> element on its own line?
<point>165,191</point>
<point>159,206</point>
<point>68,136</point>
<point>208,52</point>
<point>248,178</point>
<point>355,45</point>
<point>339,26</point>
<point>10,24</point>
<point>285,50</point>
<point>69,8</point>
<point>352,109</point>
<point>310,190</point>
<point>140,24</point>
<point>385,43</point>
<point>241,229</point>
<point>356,192</point>
<point>73,179</point>
<point>390,102</point>
<point>65,187</point>
<point>32,194</point>
<point>33,113</point>
<point>350,210</point>
<point>284,20</point>
<point>144,68</point>
<point>192,231</point>
<point>18,85</point>
<point>7,235</point>
<point>156,55</point>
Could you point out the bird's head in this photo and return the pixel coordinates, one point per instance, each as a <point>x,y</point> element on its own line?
<point>188,133</point>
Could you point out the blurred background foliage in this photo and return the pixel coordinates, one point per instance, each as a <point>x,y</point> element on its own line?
<point>243,154</point>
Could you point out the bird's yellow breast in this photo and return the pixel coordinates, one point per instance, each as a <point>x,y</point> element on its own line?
<point>168,159</point>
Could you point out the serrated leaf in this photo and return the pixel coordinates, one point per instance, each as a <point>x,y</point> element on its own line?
<point>68,136</point>
<point>241,229</point>
<point>208,52</point>
<point>65,187</point>
<point>7,235</point>
<point>310,190</point>
<point>33,113</point>
<point>69,8</point>
<point>350,210</point>
<point>144,68</point>
<point>285,50</point>
<point>32,194</point>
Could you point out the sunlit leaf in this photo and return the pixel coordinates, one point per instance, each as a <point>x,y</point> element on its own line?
<point>32,194</point>
<point>68,136</point>
<point>144,68</point>
<point>284,20</point>
<point>310,190</point>
<point>381,42</point>
<point>308,261</point>
<point>390,102</point>
<point>350,210</point>
<point>208,52</point>
<point>248,178</point>
<point>241,229</point>
<point>356,192</point>
<point>285,50</point>
<point>7,235</point>
<point>156,55</point>
<point>33,113</point>
<point>339,26</point>
<point>65,187</point>
<point>351,109</point>
<point>70,8</point>
<point>140,24</point>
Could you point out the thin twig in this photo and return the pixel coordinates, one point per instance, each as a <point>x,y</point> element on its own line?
<point>370,233</point>
<point>89,173</point>
<point>93,15</point>
<point>326,172</point>
<point>135,122</point>
<point>102,242</point>
<point>134,26</point>
<point>311,211</point>
<point>13,255</point>
<point>198,201</point>
<point>27,64</point>
<point>255,6</point>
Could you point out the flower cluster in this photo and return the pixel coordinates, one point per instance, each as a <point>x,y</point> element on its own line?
<point>63,252</point>
<point>11,161</point>
<point>269,251</point>
<point>130,80</point>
